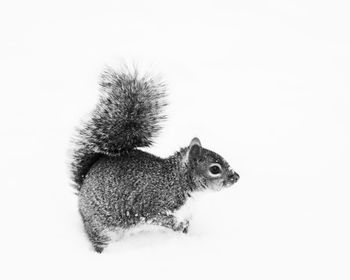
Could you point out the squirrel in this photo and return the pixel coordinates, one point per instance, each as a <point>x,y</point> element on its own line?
<point>120,186</point>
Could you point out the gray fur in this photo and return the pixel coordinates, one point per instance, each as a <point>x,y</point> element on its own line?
<point>121,186</point>
<point>127,116</point>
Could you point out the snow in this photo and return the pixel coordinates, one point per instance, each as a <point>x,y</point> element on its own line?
<point>263,83</point>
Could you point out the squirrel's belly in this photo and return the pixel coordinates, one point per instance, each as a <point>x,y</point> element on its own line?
<point>185,211</point>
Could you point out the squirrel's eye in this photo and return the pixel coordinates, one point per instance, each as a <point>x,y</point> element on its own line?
<point>215,169</point>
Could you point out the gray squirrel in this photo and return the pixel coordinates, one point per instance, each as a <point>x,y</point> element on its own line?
<point>120,186</point>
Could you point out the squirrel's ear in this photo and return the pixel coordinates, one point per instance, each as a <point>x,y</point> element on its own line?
<point>195,148</point>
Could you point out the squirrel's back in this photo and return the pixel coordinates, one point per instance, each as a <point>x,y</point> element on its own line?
<point>127,116</point>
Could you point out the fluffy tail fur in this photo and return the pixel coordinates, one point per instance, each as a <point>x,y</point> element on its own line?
<point>127,116</point>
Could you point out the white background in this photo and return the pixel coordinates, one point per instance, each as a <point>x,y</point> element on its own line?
<point>263,83</point>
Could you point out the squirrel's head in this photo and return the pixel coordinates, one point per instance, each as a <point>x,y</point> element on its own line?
<point>207,169</point>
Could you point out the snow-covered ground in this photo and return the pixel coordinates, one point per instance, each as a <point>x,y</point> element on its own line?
<point>264,83</point>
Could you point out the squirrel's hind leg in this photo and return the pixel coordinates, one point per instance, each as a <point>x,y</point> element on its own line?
<point>97,237</point>
<point>96,234</point>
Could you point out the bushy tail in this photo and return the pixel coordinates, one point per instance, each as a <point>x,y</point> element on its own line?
<point>127,116</point>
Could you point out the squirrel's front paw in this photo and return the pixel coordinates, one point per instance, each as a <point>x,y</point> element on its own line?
<point>182,226</point>
<point>185,230</point>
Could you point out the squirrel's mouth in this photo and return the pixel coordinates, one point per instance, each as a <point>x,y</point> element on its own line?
<point>227,184</point>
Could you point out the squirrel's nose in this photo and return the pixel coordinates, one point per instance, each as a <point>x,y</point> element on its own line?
<point>233,177</point>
